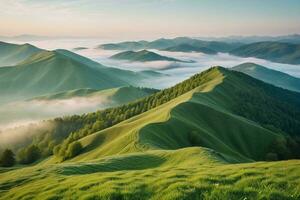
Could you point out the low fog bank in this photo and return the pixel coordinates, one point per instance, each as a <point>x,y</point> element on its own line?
<point>201,62</point>
<point>24,112</point>
<point>22,134</point>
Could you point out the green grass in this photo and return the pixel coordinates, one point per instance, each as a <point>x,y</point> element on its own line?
<point>190,173</point>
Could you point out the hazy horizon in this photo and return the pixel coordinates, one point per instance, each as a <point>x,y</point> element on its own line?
<point>143,19</point>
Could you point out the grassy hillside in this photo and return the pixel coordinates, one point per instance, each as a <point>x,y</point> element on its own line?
<point>11,54</point>
<point>205,116</point>
<point>57,71</point>
<point>221,95</point>
<point>270,76</point>
<point>273,51</point>
<point>142,56</point>
<point>190,48</point>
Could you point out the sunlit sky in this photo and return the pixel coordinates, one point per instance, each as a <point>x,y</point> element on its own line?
<point>149,18</point>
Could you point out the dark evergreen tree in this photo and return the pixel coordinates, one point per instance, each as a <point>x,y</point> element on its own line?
<point>7,158</point>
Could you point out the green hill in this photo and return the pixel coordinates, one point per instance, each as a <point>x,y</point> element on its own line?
<point>218,109</point>
<point>142,56</point>
<point>210,115</point>
<point>11,54</point>
<point>270,76</point>
<point>57,71</point>
<point>273,51</point>
<point>190,48</point>
<point>179,143</point>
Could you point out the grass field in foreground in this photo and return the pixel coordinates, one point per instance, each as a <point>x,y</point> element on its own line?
<point>189,173</point>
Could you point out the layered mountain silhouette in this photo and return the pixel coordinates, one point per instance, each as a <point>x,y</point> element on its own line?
<point>160,44</point>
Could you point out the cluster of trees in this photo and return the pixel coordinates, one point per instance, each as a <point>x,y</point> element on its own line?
<point>275,109</point>
<point>284,148</point>
<point>26,155</point>
<point>29,154</point>
<point>271,107</point>
<point>68,149</point>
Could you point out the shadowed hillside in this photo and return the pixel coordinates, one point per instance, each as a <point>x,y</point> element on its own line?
<point>270,76</point>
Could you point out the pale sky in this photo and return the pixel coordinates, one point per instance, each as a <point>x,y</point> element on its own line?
<point>149,18</point>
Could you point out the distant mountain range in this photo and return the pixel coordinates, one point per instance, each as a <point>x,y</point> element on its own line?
<point>160,44</point>
<point>294,39</point>
<point>142,56</point>
<point>270,76</point>
<point>273,51</point>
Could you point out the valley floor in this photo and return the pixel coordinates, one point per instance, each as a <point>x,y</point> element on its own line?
<point>189,173</point>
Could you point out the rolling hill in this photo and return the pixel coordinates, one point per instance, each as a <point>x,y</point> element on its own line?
<point>273,51</point>
<point>12,54</point>
<point>210,115</point>
<point>180,143</point>
<point>142,56</point>
<point>270,76</point>
<point>60,70</point>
